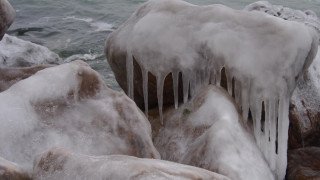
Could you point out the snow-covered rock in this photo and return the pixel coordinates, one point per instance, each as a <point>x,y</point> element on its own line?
<point>12,171</point>
<point>62,164</point>
<point>262,53</point>
<point>70,106</point>
<point>305,109</point>
<point>7,15</point>
<point>208,132</point>
<point>308,17</point>
<point>12,75</point>
<point>15,52</point>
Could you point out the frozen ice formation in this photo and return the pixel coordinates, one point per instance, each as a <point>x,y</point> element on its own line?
<point>308,17</point>
<point>12,171</point>
<point>7,15</point>
<point>263,55</point>
<point>63,164</point>
<point>69,106</point>
<point>212,136</point>
<point>17,52</point>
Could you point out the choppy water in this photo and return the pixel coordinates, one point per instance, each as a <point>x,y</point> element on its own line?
<point>77,29</point>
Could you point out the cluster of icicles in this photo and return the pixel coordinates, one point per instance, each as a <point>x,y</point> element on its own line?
<point>269,116</point>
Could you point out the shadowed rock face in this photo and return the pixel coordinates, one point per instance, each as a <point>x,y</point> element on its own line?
<point>70,106</point>
<point>304,164</point>
<point>11,171</point>
<point>7,15</point>
<point>209,133</point>
<point>62,164</point>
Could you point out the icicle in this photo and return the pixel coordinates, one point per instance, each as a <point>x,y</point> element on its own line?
<point>145,90</point>
<point>218,76</point>
<point>245,99</point>
<point>129,66</point>
<point>266,130</point>
<point>160,82</point>
<point>175,78</point>
<point>256,115</point>
<point>283,126</point>
<point>229,81</point>
<point>193,83</point>
<point>273,126</point>
<point>185,79</point>
<point>212,77</point>
<point>237,91</point>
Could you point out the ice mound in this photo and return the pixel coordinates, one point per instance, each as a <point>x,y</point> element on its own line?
<point>12,171</point>
<point>17,52</point>
<point>208,132</point>
<point>70,106</point>
<point>7,15</point>
<point>263,55</point>
<point>308,17</point>
<point>62,164</point>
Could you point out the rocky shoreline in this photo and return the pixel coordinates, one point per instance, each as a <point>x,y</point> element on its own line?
<point>61,121</point>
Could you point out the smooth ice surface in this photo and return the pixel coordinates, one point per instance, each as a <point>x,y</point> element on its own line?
<point>264,54</point>
<point>17,52</point>
<point>308,17</point>
<point>62,164</point>
<point>212,137</point>
<point>7,15</point>
<point>69,106</point>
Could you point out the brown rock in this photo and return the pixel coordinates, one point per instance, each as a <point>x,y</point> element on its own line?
<point>11,171</point>
<point>304,164</point>
<point>62,164</point>
<point>7,15</point>
<point>10,75</point>
<point>305,110</point>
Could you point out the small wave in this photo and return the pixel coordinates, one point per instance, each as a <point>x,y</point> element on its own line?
<point>84,57</point>
<point>98,25</point>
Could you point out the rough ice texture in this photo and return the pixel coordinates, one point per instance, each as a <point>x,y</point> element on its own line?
<point>7,15</point>
<point>17,52</point>
<point>308,17</point>
<point>70,106</point>
<point>305,106</point>
<point>62,164</point>
<point>12,171</point>
<point>263,54</point>
<point>208,132</point>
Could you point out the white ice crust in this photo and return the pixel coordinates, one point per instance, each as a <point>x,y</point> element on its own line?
<point>7,15</point>
<point>79,166</point>
<point>212,137</point>
<point>45,111</point>
<point>17,52</point>
<point>263,53</point>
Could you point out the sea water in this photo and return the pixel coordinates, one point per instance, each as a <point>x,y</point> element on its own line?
<point>77,29</point>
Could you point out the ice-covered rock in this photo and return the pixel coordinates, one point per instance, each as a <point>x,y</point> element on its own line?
<point>15,52</point>
<point>70,106</point>
<point>7,15</point>
<point>308,17</point>
<point>12,75</point>
<point>263,55</point>
<point>12,171</point>
<point>62,164</point>
<point>208,132</point>
<point>305,109</point>
<point>304,164</point>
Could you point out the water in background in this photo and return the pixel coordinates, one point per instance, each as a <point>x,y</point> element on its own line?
<point>77,29</point>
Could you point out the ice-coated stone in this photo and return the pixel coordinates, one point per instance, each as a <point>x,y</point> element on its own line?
<point>263,55</point>
<point>12,171</point>
<point>7,15</point>
<point>305,109</point>
<point>62,164</point>
<point>15,52</point>
<point>70,106</point>
<point>208,132</point>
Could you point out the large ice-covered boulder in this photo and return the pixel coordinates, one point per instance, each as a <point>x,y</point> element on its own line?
<point>62,164</point>
<point>15,52</point>
<point>7,15</point>
<point>305,109</point>
<point>263,56</point>
<point>12,171</point>
<point>70,106</point>
<point>209,133</point>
